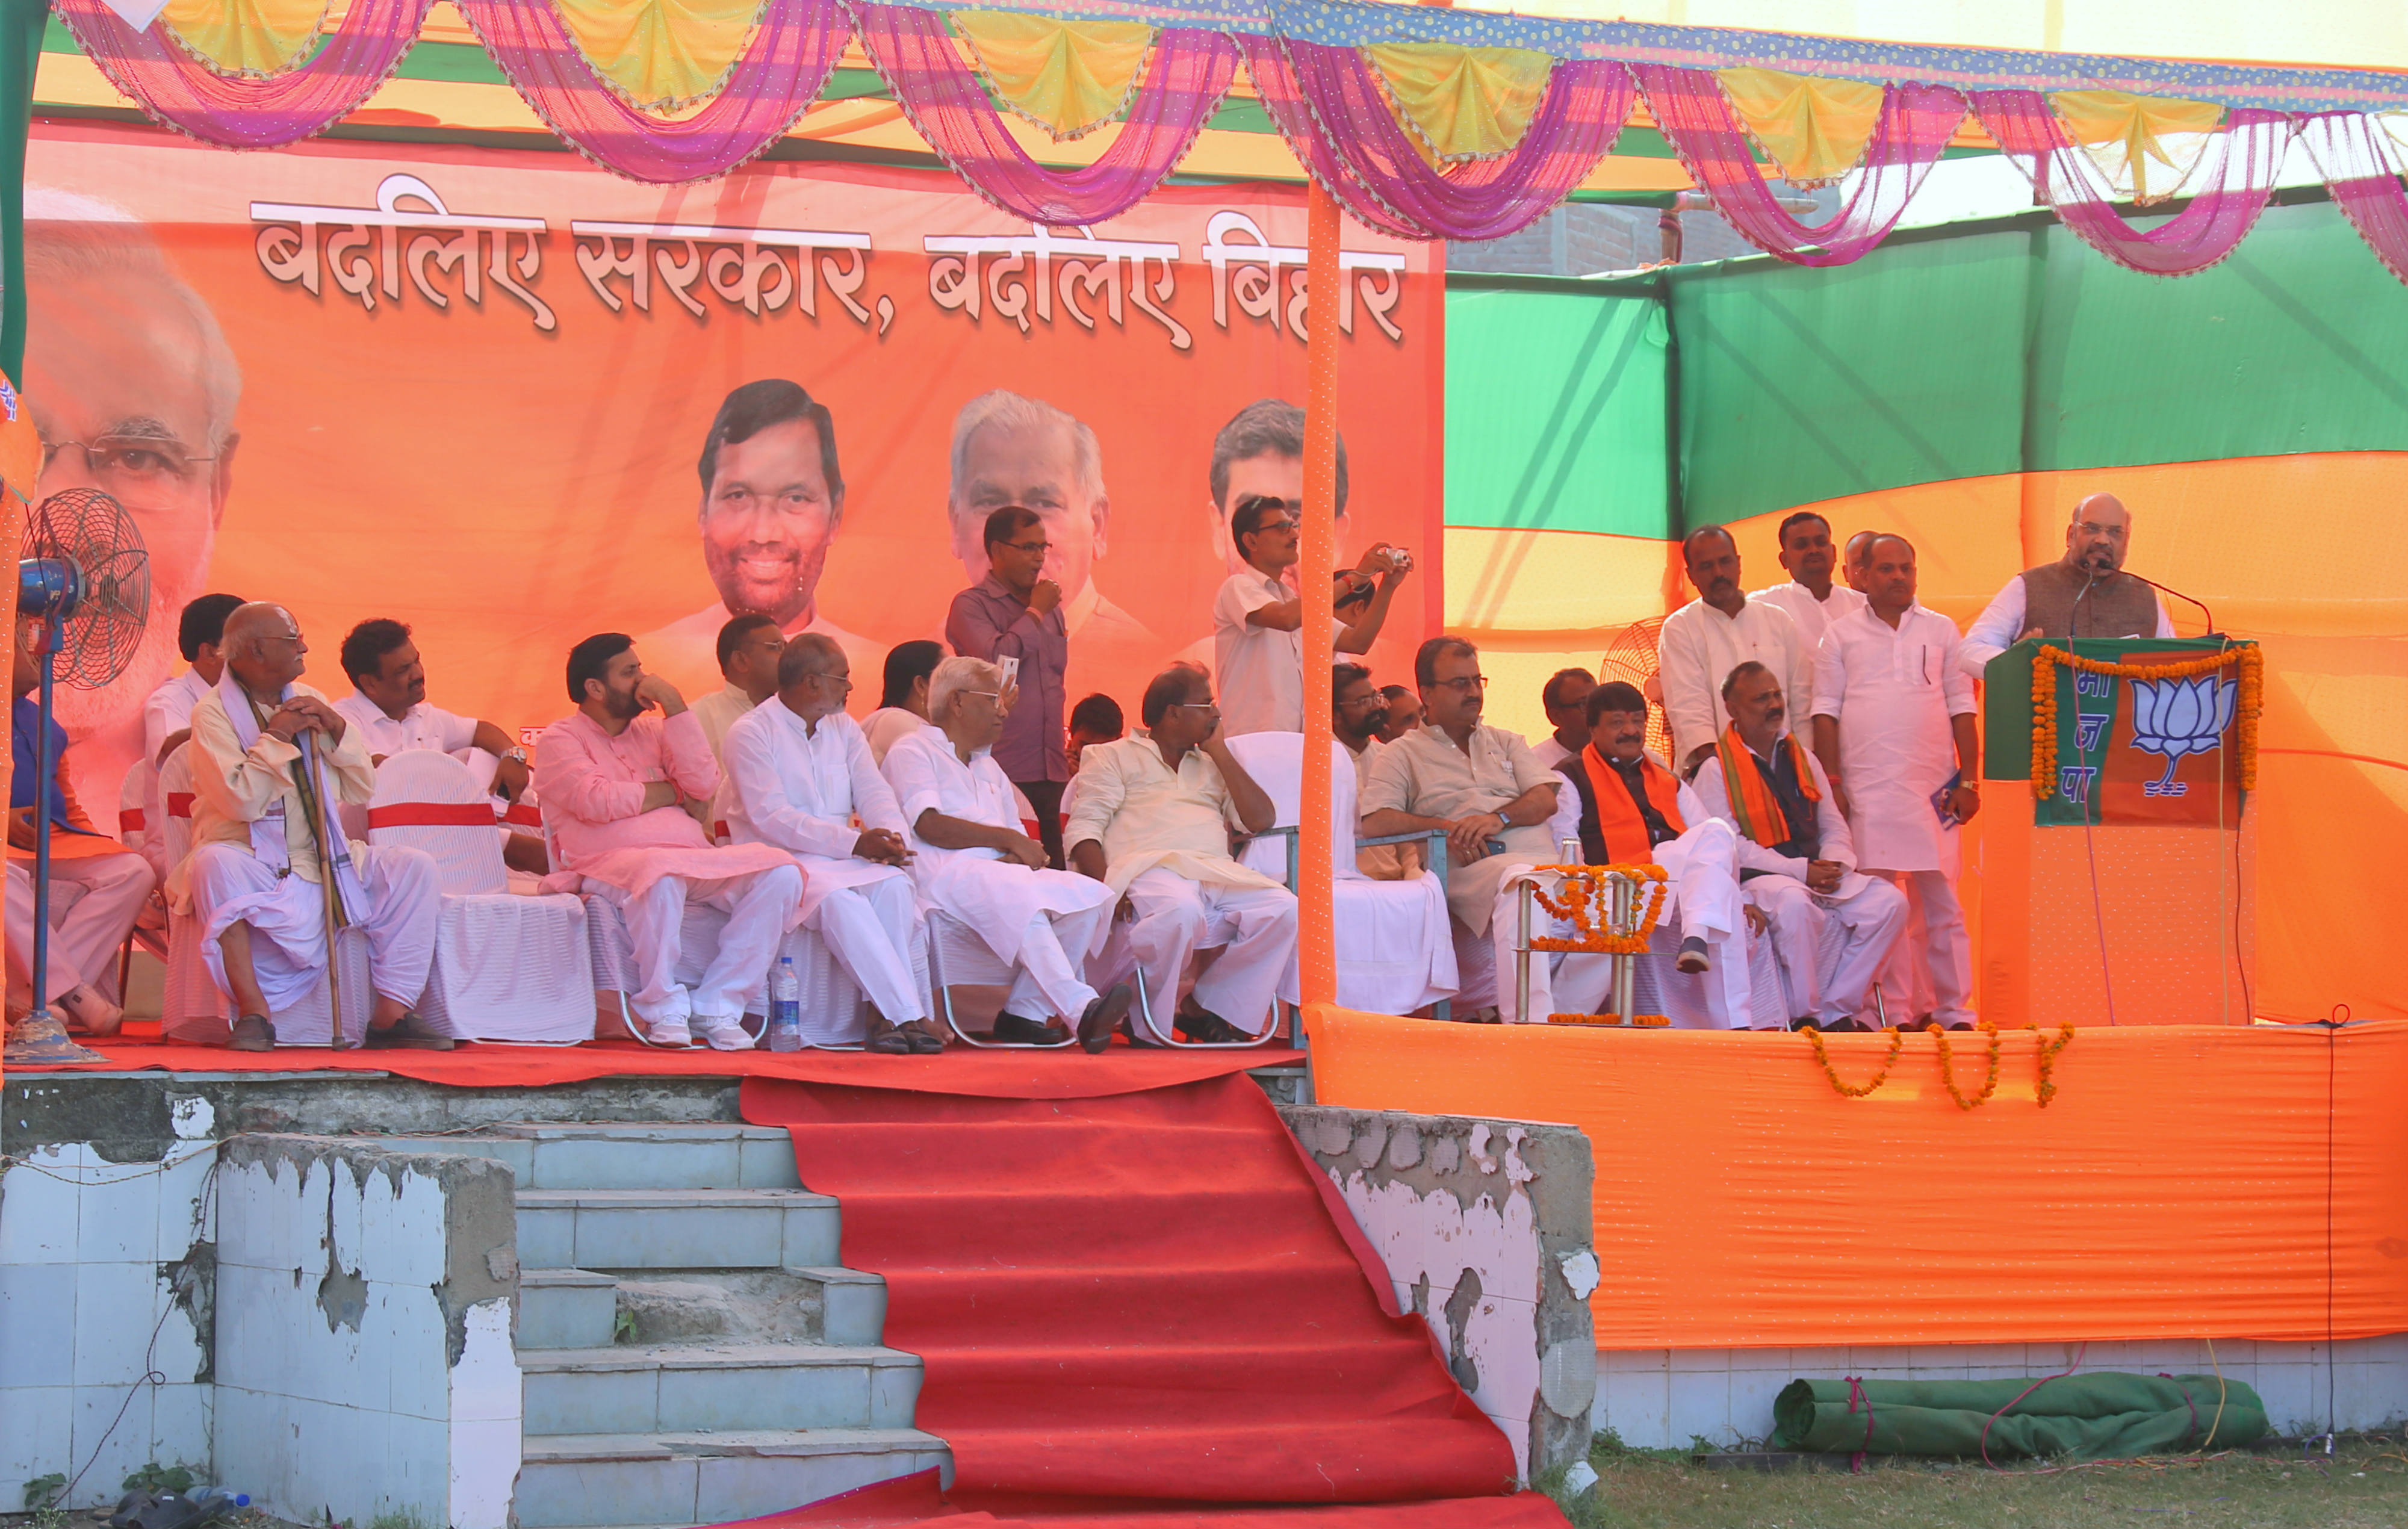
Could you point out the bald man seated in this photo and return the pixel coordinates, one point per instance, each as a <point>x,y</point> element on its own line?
<point>2084,594</point>
<point>271,760</point>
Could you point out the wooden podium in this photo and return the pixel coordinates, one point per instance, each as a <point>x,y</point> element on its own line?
<point>2121,893</point>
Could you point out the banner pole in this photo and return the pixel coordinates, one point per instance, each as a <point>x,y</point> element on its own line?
<point>21,23</point>
<point>1316,928</point>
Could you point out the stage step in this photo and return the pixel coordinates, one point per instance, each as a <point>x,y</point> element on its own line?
<point>687,1388</point>
<point>690,1351</point>
<point>616,1479</point>
<point>675,1229</point>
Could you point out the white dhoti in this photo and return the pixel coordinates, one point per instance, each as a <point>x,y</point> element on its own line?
<point>1702,873</point>
<point>1042,923</point>
<point>287,917</point>
<point>760,907</point>
<point>1825,984</point>
<point>83,944</point>
<point>1253,927</point>
<point>1941,962</point>
<point>869,918</point>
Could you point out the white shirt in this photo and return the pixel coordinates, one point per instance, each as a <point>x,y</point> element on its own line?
<point>1549,753</point>
<point>1697,649</point>
<point>1141,815</point>
<point>803,790</point>
<point>1259,671</point>
<point>1813,617</point>
<point>1893,693</point>
<point>2002,623</point>
<point>169,709</point>
<point>425,725</point>
<point>926,771</point>
<point>1836,844</point>
<point>717,712</point>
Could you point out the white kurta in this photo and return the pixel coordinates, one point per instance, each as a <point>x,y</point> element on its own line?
<point>1811,617</point>
<point>801,789</point>
<point>1893,692</point>
<point>1257,671</point>
<point>1015,909</point>
<point>888,726</point>
<point>1697,649</point>
<point>425,725</point>
<point>167,711</point>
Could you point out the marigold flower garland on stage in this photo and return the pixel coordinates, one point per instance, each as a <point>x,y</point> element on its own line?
<point>1896,1044</point>
<point>1581,883</point>
<point>2046,1058</point>
<point>1948,1072</point>
<point>2250,661</point>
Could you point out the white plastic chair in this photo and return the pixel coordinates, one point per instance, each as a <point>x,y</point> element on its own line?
<point>1394,953</point>
<point>508,968</point>
<point>191,1009</point>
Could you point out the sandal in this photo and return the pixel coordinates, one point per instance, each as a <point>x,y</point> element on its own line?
<point>924,1038</point>
<point>886,1040</point>
<point>253,1033</point>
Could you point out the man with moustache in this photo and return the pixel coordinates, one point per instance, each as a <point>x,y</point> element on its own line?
<point>1258,617</point>
<point>1797,862</point>
<point>1895,733</point>
<point>1015,612</point>
<point>133,388</point>
<point>1358,712</point>
<point>2084,594</point>
<point>1704,640</point>
<point>1810,597</point>
<point>615,783</point>
<point>772,504</point>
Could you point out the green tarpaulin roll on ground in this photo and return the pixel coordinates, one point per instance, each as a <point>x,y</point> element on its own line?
<point>2105,1416</point>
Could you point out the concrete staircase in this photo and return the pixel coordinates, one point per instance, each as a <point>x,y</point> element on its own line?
<point>691,1351</point>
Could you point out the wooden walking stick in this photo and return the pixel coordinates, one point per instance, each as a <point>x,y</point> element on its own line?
<point>332,897</point>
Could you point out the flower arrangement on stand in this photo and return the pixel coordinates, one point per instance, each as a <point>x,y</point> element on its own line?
<point>1577,906</point>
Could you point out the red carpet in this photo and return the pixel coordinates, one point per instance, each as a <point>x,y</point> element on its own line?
<point>1135,1300</point>
<point>914,1499</point>
<point>1006,1075</point>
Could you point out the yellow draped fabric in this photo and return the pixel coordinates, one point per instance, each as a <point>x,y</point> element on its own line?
<point>1816,130</point>
<point>661,54</point>
<point>247,36</point>
<point>1463,103</point>
<point>1069,78</point>
<point>2123,132</point>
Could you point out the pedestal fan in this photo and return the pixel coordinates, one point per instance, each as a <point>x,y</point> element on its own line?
<point>86,578</point>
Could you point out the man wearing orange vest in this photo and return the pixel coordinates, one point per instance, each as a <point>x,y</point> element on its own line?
<point>1628,809</point>
<point>1797,860</point>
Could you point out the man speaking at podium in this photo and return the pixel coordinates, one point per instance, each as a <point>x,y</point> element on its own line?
<point>2084,594</point>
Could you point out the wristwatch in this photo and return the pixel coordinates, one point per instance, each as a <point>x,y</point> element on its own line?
<point>518,755</point>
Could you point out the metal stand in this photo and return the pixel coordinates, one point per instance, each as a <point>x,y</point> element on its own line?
<point>1622,917</point>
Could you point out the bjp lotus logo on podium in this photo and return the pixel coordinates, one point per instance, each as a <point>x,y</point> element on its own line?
<point>2177,718</point>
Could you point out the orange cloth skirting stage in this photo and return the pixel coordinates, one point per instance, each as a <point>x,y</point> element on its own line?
<point>2181,1182</point>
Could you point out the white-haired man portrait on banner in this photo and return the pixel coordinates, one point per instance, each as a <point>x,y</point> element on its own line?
<point>772,504</point>
<point>1009,450</point>
<point>133,390</point>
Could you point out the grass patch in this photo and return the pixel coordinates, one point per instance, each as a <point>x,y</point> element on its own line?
<point>2362,1485</point>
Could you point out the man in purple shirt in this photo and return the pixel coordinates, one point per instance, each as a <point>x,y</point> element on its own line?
<point>1016,612</point>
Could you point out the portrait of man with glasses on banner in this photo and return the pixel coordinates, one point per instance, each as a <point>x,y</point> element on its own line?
<point>772,504</point>
<point>133,388</point>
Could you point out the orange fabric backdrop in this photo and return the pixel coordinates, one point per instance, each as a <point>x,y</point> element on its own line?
<point>2175,1187</point>
<point>2328,601</point>
<point>510,488</point>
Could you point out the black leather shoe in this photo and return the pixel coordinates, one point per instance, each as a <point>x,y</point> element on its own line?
<point>1208,1028</point>
<point>1103,1017</point>
<point>1020,1029</point>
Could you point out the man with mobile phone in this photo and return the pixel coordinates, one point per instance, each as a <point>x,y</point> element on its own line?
<point>1258,616</point>
<point>1013,617</point>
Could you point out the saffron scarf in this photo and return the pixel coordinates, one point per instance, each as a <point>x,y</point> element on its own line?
<point>1618,821</point>
<point>1752,804</point>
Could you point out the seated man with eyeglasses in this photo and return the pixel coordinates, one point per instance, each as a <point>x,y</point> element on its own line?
<point>801,780</point>
<point>973,862</point>
<point>1015,612</point>
<point>1484,787</point>
<point>1258,616</point>
<point>1153,821</point>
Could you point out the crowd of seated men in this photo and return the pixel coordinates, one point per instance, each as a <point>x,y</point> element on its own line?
<point>1822,754</point>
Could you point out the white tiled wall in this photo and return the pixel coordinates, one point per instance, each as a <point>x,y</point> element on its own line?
<point>317,1415</point>
<point>1660,1398</point>
<point>86,1313</point>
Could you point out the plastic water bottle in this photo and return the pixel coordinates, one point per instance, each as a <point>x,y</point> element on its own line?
<point>786,1008</point>
<point>217,1501</point>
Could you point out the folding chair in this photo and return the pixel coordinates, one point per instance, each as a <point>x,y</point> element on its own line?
<point>958,958</point>
<point>508,968</point>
